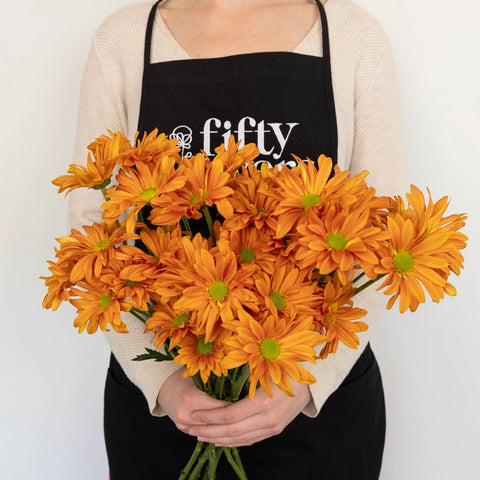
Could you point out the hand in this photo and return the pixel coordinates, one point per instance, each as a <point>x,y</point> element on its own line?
<point>248,421</point>
<point>179,397</point>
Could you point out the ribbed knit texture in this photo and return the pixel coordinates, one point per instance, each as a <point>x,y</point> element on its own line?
<point>369,138</point>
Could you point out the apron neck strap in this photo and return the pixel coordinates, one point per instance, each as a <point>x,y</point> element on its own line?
<point>151,19</point>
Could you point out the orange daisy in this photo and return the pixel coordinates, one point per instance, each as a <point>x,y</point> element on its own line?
<point>99,169</point>
<point>206,185</point>
<point>200,356</point>
<point>337,241</point>
<point>217,291</point>
<point>138,187</point>
<point>252,200</point>
<point>288,291</point>
<point>168,324</point>
<point>150,149</point>
<point>252,246</point>
<point>336,318</point>
<point>273,350</point>
<point>98,307</point>
<point>93,250</point>
<point>411,261</point>
<point>58,284</point>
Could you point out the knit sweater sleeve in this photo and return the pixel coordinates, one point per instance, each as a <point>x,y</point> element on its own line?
<point>377,148</point>
<point>99,111</point>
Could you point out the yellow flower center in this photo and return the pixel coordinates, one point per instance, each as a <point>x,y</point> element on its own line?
<point>269,349</point>
<point>180,319</point>
<point>218,291</point>
<point>102,245</point>
<point>205,348</point>
<point>105,301</point>
<point>279,300</point>
<point>248,255</point>
<point>337,241</point>
<point>310,199</point>
<point>403,261</point>
<point>148,194</point>
<point>130,283</point>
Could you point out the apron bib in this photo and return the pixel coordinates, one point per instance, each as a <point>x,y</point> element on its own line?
<point>284,103</point>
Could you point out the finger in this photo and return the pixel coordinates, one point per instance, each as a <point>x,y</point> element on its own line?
<point>233,412</point>
<point>244,440</point>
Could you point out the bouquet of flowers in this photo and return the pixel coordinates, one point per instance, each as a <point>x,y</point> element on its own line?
<point>241,273</point>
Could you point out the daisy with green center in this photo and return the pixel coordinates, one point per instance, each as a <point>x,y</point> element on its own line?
<point>287,290</point>
<point>217,289</point>
<point>167,323</point>
<point>200,356</point>
<point>98,307</point>
<point>338,241</point>
<point>273,350</point>
<point>137,187</point>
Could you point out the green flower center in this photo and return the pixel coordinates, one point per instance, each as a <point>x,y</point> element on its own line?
<point>130,283</point>
<point>148,194</point>
<point>269,349</point>
<point>105,301</point>
<point>180,319</point>
<point>310,199</point>
<point>279,300</point>
<point>102,245</point>
<point>403,261</point>
<point>194,199</point>
<point>205,348</point>
<point>218,291</point>
<point>337,241</point>
<point>248,255</point>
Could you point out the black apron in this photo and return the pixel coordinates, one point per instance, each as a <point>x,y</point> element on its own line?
<point>284,103</point>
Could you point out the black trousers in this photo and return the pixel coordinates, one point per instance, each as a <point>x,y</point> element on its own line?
<point>344,442</point>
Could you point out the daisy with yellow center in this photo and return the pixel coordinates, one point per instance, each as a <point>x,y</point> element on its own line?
<point>93,250</point>
<point>98,307</point>
<point>288,291</point>
<point>339,240</point>
<point>336,318</point>
<point>200,356</point>
<point>138,187</point>
<point>273,349</point>
<point>99,169</point>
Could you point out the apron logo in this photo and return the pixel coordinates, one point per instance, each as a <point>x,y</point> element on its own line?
<point>270,137</point>
<point>183,135</point>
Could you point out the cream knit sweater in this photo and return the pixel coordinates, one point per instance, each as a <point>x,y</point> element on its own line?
<point>369,134</point>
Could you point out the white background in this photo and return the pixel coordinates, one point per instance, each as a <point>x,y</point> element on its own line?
<point>52,379</point>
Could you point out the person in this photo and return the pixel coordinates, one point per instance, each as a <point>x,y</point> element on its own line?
<point>293,76</point>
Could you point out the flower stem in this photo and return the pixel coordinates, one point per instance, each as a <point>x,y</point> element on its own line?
<point>208,218</point>
<point>236,456</point>
<point>367,284</point>
<point>239,471</point>
<point>238,385</point>
<point>138,314</point>
<point>198,468</point>
<point>186,224</point>
<point>193,459</point>
<point>358,277</point>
